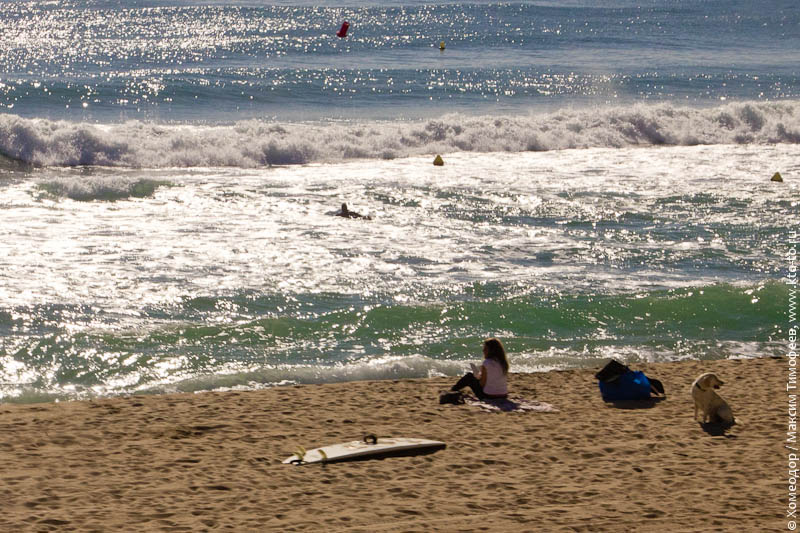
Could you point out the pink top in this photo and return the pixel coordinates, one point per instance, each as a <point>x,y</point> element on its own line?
<point>496,383</point>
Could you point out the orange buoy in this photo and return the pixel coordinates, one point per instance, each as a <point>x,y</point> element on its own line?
<point>342,33</point>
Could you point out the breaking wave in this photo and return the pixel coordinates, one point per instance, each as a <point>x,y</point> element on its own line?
<point>256,143</point>
<point>101,188</point>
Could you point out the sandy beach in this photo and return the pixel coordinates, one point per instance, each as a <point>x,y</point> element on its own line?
<point>212,461</point>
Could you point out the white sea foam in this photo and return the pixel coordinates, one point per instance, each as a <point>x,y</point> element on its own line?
<point>254,143</point>
<point>251,261</point>
<point>101,187</point>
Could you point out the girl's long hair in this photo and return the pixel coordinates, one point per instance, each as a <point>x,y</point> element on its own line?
<point>495,350</point>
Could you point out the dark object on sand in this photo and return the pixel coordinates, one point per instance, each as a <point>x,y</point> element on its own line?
<point>454,397</point>
<point>612,371</point>
<point>617,382</point>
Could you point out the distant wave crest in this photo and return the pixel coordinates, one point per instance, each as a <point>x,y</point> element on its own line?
<point>101,188</point>
<point>256,143</point>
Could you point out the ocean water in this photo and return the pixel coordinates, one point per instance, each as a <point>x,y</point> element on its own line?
<point>169,171</point>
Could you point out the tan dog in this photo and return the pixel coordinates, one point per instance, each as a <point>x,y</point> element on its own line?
<point>714,408</point>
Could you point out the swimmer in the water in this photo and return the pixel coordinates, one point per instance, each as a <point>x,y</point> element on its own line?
<point>346,213</point>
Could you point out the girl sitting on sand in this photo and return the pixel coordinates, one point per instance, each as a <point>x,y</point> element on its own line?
<point>491,380</point>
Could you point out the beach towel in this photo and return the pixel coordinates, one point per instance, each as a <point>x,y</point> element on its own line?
<point>510,404</point>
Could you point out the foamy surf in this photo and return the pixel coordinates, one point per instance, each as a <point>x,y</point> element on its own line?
<point>254,143</point>
<point>169,173</point>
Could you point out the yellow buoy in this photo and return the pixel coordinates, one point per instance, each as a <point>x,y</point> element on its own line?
<point>776,177</point>
<point>441,45</point>
<point>438,161</point>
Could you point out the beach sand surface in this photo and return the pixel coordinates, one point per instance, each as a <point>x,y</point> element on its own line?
<point>212,461</point>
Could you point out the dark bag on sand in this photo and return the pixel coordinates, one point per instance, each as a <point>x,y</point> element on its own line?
<point>657,386</point>
<point>612,371</point>
<point>628,386</point>
<point>454,397</point>
<point>617,382</point>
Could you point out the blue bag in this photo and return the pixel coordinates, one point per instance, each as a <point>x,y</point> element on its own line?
<point>632,385</point>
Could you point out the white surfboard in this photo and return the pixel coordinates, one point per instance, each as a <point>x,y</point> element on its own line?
<point>370,446</point>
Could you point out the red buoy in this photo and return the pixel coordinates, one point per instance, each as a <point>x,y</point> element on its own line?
<point>343,30</point>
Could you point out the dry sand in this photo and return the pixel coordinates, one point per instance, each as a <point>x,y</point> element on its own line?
<point>212,461</point>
